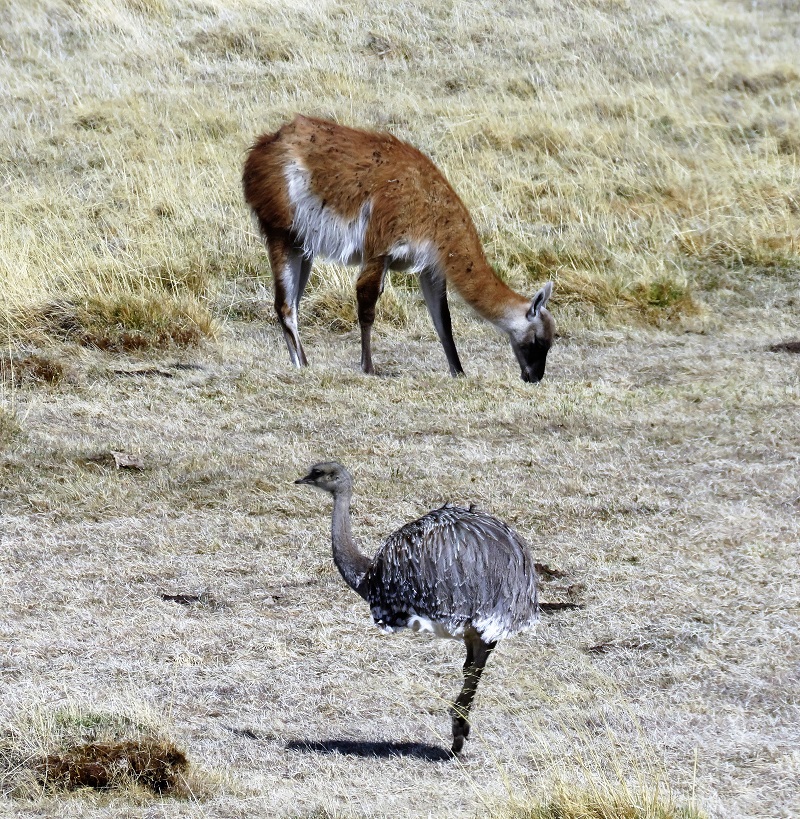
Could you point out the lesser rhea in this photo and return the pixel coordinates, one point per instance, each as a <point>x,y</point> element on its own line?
<point>456,572</point>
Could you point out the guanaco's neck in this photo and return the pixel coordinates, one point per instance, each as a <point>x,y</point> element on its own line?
<point>476,282</point>
<point>349,560</point>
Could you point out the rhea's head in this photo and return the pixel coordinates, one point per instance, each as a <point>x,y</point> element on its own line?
<point>329,476</point>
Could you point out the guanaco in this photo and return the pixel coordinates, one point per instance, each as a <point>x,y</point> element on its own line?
<point>369,199</point>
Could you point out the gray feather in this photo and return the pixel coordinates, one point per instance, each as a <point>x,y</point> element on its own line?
<point>457,568</point>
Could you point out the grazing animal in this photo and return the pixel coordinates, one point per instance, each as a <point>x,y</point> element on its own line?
<point>368,199</point>
<point>455,572</point>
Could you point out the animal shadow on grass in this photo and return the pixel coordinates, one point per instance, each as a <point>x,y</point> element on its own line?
<point>381,749</point>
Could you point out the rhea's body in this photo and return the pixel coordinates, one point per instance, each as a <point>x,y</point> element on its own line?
<point>456,572</point>
<point>452,571</point>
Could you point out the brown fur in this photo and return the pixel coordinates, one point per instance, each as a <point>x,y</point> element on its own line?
<point>411,197</point>
<point>375,180</point>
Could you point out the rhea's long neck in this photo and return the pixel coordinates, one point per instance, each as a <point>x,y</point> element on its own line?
<point>349,560</point>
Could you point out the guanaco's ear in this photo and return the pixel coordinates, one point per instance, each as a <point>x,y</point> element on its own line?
<point>539,301</point>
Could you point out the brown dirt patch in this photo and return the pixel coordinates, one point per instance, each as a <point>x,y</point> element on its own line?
<point>158,766</point>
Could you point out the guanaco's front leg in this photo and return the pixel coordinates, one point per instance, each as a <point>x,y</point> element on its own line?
<point>434,290</point>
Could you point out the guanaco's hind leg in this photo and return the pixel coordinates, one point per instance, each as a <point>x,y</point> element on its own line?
<point>290,271</point>
<point>368,288</point>
<point>477,654</point>
<point>435,293</point>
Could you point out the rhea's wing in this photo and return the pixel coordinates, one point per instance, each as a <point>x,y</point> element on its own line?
<point>455,567</point>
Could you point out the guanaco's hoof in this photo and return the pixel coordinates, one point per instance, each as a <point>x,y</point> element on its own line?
<point>458,744</point>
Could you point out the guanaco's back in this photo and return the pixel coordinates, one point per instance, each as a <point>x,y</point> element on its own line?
<point>357,197</point>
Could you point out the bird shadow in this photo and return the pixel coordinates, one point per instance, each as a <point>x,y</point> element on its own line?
<point>381,749</point>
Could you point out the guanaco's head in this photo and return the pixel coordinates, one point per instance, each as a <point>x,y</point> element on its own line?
<point>532,337</point>
<point>330,477</point>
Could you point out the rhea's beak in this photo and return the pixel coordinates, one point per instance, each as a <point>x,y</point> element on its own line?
<point>307,479</point>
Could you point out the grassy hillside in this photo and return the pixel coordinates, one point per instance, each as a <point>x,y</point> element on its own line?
<point>168,592</point>
<point>638,154</point>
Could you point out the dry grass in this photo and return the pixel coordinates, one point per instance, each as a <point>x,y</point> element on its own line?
<point>9,427</point>
<point>632,153</point>
<point>31,367</point>
<point>71,748</point>
<point>604,803</point>
<point>644,156</point>
<point>129,322</point>
<point>155,765</point>
<point>659,471</point>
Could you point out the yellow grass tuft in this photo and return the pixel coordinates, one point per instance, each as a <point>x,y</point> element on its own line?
<point>331,302</point>
<point>603,803</point>
<point>127,322</point>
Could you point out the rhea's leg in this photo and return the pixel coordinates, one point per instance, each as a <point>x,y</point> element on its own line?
<point>478,653</point>
<point>368,288</point>
<point>287,272</point>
